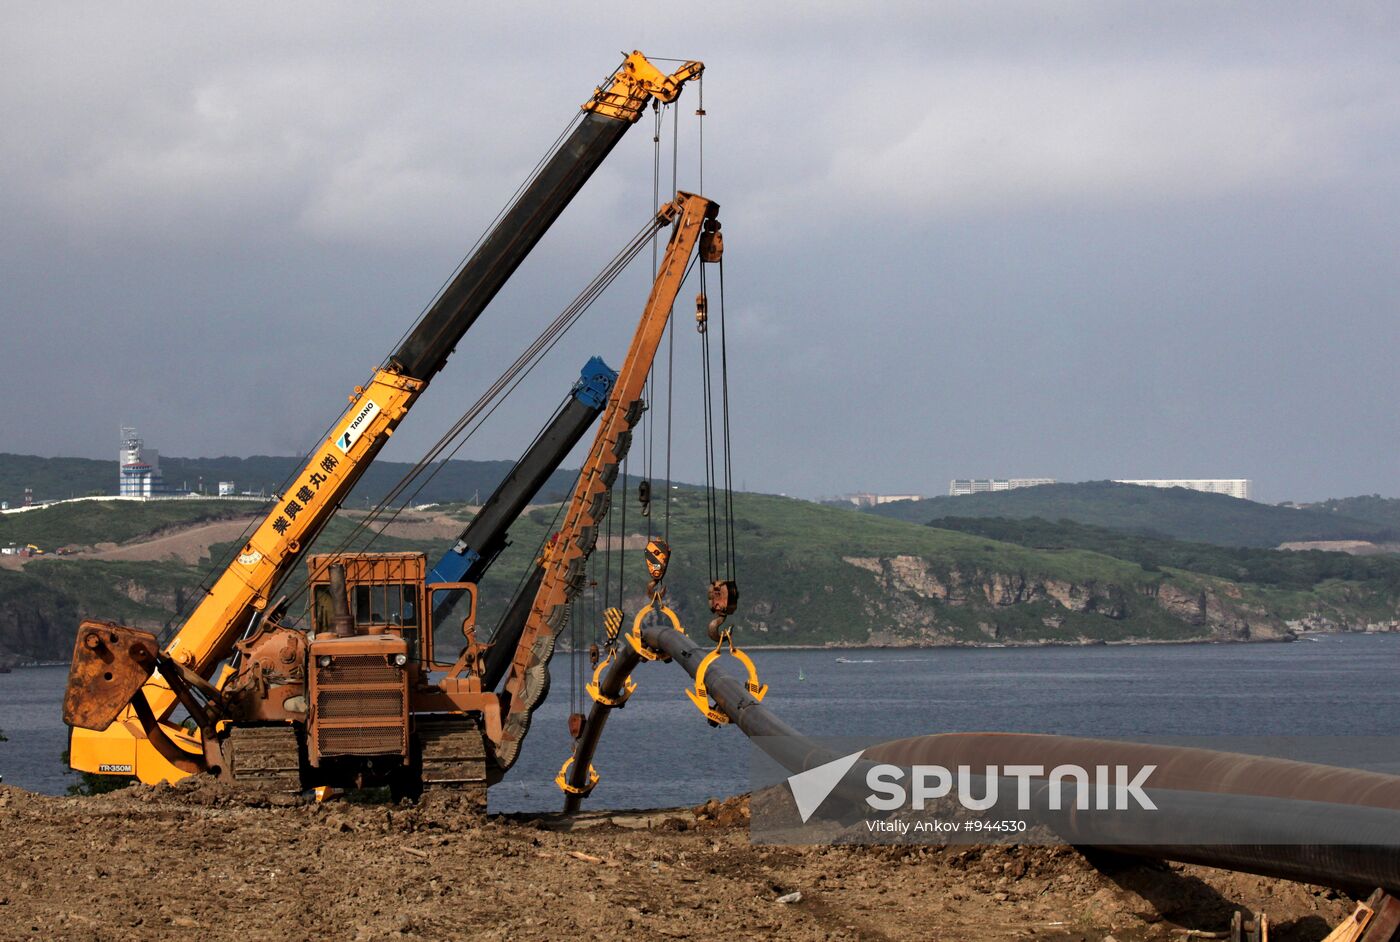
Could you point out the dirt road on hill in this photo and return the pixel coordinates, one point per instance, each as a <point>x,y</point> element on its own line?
<point>188,545</point>
<point>424,525</point>
<point>192,862</point>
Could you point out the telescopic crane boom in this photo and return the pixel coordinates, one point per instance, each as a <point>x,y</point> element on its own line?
<point>114,672</point>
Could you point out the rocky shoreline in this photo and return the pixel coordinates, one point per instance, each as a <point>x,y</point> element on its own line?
<point>1296,634</point>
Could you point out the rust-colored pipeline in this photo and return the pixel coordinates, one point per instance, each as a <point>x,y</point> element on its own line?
<point>1178,768</point>
<point>1212,783</point>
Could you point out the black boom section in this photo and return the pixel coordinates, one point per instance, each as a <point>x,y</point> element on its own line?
<point>482,540</point>
<point>511,627</point>
<point>431,342</point>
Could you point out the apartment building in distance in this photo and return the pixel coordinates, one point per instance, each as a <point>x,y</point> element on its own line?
<point>875,500</point>
<point>959,487</point>
<point>1232,487</point>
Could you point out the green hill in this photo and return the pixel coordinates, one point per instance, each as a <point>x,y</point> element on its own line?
<point>1373,508</point>
<point>59,478</point>
<point>91,522</point>
<point>1170,513</point>
<point>808,574</point>
<point>1261,567</point>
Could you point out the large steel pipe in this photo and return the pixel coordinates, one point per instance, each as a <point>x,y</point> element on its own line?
<point>1176,768</point>
<point>794,750</point>
<point>1205,785</point>
<point>610,686</point>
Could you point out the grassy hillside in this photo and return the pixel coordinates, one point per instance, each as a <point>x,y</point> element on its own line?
<point>808,574</point>
<point>1171,513</point>
<point>91,522</point>
<point>57,478</point>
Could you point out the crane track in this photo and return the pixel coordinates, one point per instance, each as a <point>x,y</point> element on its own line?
<point>266,758</point>
<point>452,756</point>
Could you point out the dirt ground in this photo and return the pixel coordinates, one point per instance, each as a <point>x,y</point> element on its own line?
<point>194,862</point>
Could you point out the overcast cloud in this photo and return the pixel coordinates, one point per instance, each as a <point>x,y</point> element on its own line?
<point>1079,240</point>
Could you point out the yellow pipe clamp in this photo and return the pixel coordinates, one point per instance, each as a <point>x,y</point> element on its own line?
<point>594,689</point>
<point>562,779</point>
<point>701,697</point>
<point>634,637</point>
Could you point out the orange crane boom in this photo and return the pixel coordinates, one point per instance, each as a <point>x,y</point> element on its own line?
<point>527,683</point>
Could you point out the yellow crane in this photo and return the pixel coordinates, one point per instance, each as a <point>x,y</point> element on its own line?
<point>123,685</point>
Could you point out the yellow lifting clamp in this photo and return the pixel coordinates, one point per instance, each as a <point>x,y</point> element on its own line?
<point>701,697</point>
<point>562,779</point>
<point>654,610</point>
<point>628,685</point>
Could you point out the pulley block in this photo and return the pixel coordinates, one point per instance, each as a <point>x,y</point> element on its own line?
<point>711,242</point>
<point>658,556</point>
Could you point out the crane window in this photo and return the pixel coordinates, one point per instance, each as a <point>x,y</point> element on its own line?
<point>391,604</point>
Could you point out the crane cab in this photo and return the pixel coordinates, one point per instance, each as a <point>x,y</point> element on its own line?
<point>386,595</point>
<point>370,660</point>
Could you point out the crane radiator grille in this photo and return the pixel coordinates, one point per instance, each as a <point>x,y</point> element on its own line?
<point>337,704</point>
<point>358,669</point>
<point>361,707</point>
<point>360,741</point>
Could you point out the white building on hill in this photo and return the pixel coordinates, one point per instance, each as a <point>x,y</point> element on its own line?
<point>960,487</point>
<point>1232,487</point>
<point>874,500</point>
<point>138,473</point>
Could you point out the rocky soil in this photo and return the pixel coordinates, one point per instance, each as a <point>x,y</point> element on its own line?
<point>196,862</point>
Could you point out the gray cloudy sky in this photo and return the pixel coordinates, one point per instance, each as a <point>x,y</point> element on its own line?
<point>1074,239</point>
